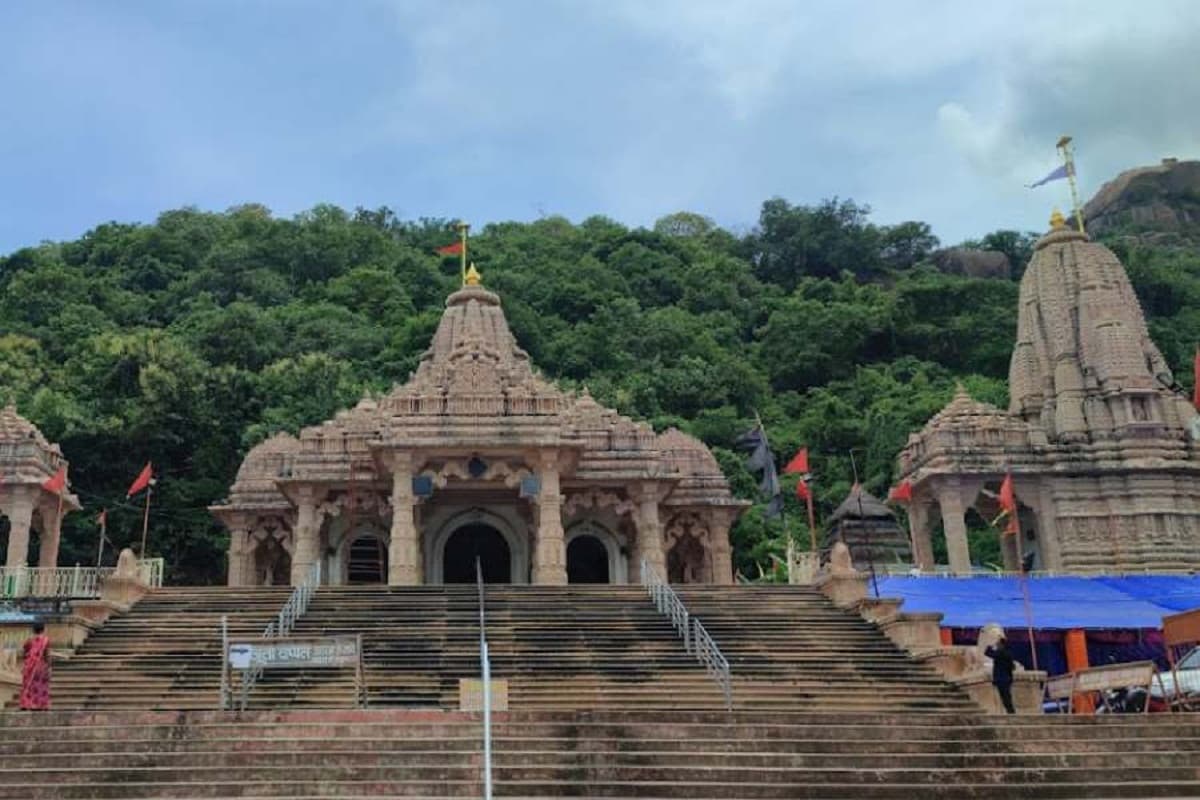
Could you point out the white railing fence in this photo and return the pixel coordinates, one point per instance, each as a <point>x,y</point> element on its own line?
<point>696,639</point>
<point>282,625</point>
<point>76,582</point>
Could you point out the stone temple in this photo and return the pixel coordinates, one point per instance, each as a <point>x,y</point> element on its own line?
<point>27,460</point>
<point>1102,450</point>
<point>478,456</point>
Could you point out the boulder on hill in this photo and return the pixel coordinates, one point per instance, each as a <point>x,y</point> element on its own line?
<point>1160,203</point>
<point>972,263</point>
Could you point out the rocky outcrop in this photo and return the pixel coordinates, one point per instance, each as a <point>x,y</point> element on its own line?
<point>973,263</point>
<point>1159,203</point>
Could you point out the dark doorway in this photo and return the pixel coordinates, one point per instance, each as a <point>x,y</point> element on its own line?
<point>685,562</point>
<point>476,541</point>
<point>587,560</point>
<point>272,564</point>
<point>368,561</point>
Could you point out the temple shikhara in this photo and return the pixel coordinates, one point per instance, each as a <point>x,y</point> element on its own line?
<point>478,456</point>
<point>1101,448</point>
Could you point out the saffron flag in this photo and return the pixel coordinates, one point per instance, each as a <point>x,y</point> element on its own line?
<point>451,249</point>
<point>56,483</point>
<point>1008,504</point>
<point>1056,175</point>
<point>901,493</point>
<point>802,490</point>
<point>141,481</point>
<point>798,464</point>
<point>1196,380</point>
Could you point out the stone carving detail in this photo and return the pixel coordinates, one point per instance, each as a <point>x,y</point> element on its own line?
<point>840,562</point>
<point>686,524</point>
<point>460,470</point>
<point>599,499</point>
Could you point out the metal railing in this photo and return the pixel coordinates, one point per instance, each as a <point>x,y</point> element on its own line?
<point>696,639</point>
<point>76,582</point>
<point>485,672</point>
<point>282,625</point>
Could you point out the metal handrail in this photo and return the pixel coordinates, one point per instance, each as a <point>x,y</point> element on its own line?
<point>696,639</point>
<point>293,609</point>
<point>485,672</point>
<point>76,582</point>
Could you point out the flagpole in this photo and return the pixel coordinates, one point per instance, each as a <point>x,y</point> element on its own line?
<point>1064,147</point>
<point>812,523</point>
<point>463,227</point>
<point>103,536</point>
<point>145,522</point>
<point>58,519</point>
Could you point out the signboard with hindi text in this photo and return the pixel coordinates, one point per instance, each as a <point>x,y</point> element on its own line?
<point>294,653</point>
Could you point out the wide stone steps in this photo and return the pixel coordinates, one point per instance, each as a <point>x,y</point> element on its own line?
<point>658,754</point>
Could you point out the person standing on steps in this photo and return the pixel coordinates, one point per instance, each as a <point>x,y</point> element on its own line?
<point>35,672</point>
<point>1003,664</point>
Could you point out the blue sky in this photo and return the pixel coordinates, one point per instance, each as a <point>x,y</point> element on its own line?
<point>929,110</point>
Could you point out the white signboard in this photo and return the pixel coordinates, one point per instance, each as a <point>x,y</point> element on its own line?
<point>295,653</point>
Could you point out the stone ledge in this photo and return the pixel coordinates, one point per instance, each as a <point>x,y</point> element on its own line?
<point>1027,690</point>
<point>845,589</point>
<point>914,631</point>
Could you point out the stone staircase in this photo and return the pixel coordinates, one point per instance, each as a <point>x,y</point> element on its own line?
<point>645,754</point>
<point>571,647</point>
<point>166,652</point>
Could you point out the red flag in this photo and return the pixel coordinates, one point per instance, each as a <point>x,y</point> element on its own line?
<point>451,249</point>
<point>141,481</point>
<point>57,483</point>
<point>798,464</point>
<point>1196,380</point>
<point>802,490</point>
<point>901,493</point>
<point>1008,504</point>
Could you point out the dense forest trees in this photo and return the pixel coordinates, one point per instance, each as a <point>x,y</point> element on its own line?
<point>189,340</point>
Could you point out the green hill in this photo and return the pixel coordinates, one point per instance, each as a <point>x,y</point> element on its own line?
<point>189,340</point>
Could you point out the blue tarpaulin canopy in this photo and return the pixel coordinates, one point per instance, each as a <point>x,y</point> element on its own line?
<point>1056,603</point>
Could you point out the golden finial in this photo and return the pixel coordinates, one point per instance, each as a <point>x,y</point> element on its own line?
<point>1057,221</point>
<point>473,276</point>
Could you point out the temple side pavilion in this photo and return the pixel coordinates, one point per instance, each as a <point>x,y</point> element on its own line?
<point>478,456</point>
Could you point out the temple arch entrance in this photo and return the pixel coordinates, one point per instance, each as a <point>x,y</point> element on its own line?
<point>687,562</point>
<point>587,560</point>
<point>476,541</point>
<point>272,563</point>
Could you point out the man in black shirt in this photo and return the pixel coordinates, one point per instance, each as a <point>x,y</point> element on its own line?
<point>1002,671</point>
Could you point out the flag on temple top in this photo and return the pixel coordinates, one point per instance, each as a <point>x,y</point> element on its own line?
<point>451,249</point>
<point>901,493</point>
<point>1056,175</point>
<point>1008,504</point>
<point>1196,380</point>
<point>798,464</point>
<point>802,490</point>
<point>141,481</point>
<point>763,460</point>
<point>57,482</point>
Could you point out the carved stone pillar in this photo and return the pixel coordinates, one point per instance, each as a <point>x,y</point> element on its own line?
<point>404,549</point>
<point>305,536</point>
<point>20,516</point>
<point>721,557</point>
<point>955,525</point>
<point>238,546</point>
<point>550,554</point>
<point>921,526</point>
<point>51,535</point>
<point>649,531</point>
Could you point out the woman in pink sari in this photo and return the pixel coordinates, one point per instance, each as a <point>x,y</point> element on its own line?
<point>35,674</point>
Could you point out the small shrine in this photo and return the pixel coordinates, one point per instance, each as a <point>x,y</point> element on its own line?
<point>870,531</point>
<point>27,461</point>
